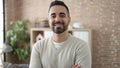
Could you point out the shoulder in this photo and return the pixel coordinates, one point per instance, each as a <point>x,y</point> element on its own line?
<point>40,43</point>
<point>78,43</point>
<point>77,40</point>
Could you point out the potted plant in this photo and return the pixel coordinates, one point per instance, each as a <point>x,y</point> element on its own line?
<point>19,39</point>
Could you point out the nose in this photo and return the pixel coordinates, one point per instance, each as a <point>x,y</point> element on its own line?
<point>57,18</point>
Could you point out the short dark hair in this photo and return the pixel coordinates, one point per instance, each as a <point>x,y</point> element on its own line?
<point>61,3</point>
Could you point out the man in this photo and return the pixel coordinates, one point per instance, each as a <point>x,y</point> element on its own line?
<point>61,50</point>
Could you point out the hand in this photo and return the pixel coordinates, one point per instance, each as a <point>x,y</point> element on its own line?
<point>76,66</point>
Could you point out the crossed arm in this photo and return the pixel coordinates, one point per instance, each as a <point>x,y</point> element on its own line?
<point>82,60</point>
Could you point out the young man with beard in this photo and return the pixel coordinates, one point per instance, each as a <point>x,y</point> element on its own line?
<point>61,50</point>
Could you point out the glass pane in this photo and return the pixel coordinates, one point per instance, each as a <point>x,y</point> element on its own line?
<point>1,28</point>
<point>1,23</point>
<point>82,35</point>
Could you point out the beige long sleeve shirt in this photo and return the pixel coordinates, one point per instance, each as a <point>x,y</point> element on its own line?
<point>72,51</point>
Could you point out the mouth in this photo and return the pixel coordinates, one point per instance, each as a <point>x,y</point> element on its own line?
<point>59,27</point>
<point>58,24</point>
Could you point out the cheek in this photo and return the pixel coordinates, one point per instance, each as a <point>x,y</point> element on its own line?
<point>50,22</point>
<point>67,22</point>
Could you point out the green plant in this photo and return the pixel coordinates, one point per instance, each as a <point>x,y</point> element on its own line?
<point>19,39</point>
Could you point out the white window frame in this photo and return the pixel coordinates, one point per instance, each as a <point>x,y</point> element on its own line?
<point>1,24</point>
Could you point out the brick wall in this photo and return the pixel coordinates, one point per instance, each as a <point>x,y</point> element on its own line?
<point>102,16</point>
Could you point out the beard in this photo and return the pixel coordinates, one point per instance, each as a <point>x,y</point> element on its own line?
<point>59,30</point>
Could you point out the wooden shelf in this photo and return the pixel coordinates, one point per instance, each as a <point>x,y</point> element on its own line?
<point>84,34</point>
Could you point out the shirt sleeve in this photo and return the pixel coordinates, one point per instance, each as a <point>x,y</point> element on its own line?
<point>83,56</point>
<point>35,61</point>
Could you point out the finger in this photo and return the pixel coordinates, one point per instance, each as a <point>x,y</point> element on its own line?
<point>74,66</point>
<point>78,66</point>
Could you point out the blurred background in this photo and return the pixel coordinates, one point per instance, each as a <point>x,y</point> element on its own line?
<point>100,16</point>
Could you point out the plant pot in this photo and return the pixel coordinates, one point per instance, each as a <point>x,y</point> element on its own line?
<point>11,58</point>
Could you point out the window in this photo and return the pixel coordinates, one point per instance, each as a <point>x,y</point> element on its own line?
<point>1,23</point>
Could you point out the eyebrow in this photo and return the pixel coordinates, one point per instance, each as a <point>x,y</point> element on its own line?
<point>62,13</point>
<point>52,14</point>
<point>59,13</point>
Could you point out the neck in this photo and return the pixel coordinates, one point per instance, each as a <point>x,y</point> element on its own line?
<point>60,37</point>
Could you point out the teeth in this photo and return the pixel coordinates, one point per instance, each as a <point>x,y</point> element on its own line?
<point>58,25</point>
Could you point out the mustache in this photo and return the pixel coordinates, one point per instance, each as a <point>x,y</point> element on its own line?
<point>58,23</point>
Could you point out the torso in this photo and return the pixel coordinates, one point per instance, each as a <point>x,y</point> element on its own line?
<point>51,57</point>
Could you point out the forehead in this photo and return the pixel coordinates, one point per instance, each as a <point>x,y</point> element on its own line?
<point>57,9</point>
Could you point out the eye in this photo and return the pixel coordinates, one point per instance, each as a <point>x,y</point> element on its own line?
<point>62,14</point>
<point>53,16</point>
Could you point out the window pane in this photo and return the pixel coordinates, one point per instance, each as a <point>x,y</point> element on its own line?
<point>1,23</point>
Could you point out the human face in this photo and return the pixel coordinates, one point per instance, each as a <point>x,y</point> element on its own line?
<point>58,19</point>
